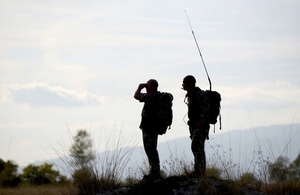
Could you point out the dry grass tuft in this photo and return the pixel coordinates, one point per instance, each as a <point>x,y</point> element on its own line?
<point>287,188</point>
<point>37,190</point>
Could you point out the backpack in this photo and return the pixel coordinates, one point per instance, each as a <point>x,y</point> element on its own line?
<point>165,112</point>
<point>215,106</point>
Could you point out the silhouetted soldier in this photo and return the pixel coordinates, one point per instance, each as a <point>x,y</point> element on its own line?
<point>149,125</point>
<point>198,113</point>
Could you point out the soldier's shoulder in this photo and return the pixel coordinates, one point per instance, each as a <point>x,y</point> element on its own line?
<point>153,96</point>
<point>166,96</point>
<point>200,92</point>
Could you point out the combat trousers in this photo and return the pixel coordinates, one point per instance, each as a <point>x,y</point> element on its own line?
<point>198,137</point>
<point>150,146</point>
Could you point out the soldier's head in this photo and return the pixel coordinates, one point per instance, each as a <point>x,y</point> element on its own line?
<point>152,86</point>
<point>188,82</point>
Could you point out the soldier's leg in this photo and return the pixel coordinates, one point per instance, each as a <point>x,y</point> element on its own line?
<point>150,146</point>
<point>198,141</point>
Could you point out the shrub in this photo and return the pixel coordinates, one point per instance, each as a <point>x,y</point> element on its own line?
<point>42,174</point>
<point>248,180</point>
<point>8,174</point>
<point>213,172</point>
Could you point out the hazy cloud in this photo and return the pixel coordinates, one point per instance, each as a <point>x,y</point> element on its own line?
<point>272,95</point>
<point>41,94</point>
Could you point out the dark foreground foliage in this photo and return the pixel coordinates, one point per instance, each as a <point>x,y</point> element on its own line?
<point>184,185</point>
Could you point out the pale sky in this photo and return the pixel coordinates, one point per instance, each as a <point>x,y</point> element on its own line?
<point>69,65</point>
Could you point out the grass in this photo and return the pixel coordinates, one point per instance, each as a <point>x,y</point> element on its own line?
<point>106,171</point>
<point>36,190</point>
<point>224,176</point>
<point>214,184</point>
<point>287,187</point>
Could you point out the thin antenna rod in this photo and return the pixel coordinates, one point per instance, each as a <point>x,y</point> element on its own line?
<point>199,51</point>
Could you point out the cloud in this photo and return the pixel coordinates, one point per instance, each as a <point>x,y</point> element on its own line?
<point>41,94</point>
<point>280,94</point>
<point>27,125</point>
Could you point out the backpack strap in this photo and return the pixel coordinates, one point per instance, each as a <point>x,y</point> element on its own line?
<point>220,121</point>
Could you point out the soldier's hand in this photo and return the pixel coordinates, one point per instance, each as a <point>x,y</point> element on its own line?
<point>142,85</point>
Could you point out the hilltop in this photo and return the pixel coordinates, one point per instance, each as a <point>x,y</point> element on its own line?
<point>238,147</point>
<point>183,185</point>
<point>237,163</point>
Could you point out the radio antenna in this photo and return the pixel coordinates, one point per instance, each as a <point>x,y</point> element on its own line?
<point>199,51</point>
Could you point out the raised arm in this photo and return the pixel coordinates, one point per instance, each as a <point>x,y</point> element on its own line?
<point>137,94</point>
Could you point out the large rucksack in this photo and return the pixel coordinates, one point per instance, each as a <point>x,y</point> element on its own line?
<point>165,112</point>
<point>215,106</point>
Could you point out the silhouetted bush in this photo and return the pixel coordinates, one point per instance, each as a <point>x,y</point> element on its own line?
<point>8,174</point>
